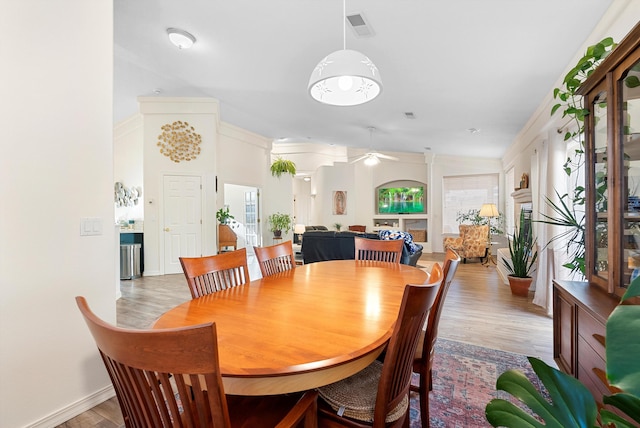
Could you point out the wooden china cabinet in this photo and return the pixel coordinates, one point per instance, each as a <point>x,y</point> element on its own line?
<point>612,136</point>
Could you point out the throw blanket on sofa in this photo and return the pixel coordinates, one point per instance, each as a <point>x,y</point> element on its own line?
<point>397,234</point>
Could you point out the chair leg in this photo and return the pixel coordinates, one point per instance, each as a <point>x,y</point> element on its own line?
<point>425,387</point>
<point>430,380</point>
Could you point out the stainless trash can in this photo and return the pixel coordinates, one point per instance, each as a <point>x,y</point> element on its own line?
<point>129,261</point>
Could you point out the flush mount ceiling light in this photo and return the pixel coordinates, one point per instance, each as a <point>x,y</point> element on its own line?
<point>345,77</point>
<point>181,38</point>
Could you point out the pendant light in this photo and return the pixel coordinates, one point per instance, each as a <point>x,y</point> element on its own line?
<point>345,77</point>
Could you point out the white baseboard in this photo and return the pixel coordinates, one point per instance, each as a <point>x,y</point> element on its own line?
<point>75,409</point>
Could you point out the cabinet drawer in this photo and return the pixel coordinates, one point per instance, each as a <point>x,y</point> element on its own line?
<point>592,331</point>
<point>564,332</point>
<point>592,370</point>
<point>597,389</point>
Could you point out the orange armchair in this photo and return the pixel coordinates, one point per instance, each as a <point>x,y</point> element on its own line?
<point>472,242</point>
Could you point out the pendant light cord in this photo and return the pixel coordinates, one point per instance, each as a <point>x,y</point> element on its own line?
<point>344,25</point>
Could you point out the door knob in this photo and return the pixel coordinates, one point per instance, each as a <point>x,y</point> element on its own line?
<point>166,229</point>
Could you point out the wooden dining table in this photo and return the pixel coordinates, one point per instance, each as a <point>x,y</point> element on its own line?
<point>301,329</point>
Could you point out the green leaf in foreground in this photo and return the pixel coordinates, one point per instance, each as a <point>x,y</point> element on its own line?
<point>571,404</point>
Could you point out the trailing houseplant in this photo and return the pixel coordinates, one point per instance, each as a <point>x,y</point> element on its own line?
<point>571,404</point>
<point>279,223</point>
<point>523,255</point>
<point>568,211</point>
<point>282,166</point>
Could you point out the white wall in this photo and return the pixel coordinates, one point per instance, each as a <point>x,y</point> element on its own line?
<point>617,22</point>
<point>127,163</point>
<point>234,198</point>
<point>446,166</point>
<point>230,154</point>
<point>57,167</point>
<point>302,196</point>
<point>277,198</point>
<point>202,114</point>
<point>244,159</point>
<point>360,182</point>
<point>541,130</point>
<point>341,176</point>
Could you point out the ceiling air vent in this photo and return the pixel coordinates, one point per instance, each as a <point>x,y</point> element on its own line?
<point>409,115</point>
<point>359,24</point>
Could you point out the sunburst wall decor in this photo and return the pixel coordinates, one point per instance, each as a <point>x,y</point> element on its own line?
<point>179,141</point>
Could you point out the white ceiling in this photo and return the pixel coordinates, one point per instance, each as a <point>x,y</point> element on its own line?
<point>456,64</point>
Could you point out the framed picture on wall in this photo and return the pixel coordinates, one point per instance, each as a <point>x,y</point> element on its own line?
<point>339,202</point>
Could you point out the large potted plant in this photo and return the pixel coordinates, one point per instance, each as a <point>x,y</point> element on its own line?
<point>523,253</point>
<point>279,223</point>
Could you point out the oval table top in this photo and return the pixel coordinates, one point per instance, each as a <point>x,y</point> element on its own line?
<point>303,328</point>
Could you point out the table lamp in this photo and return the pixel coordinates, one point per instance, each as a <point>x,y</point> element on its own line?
<point>299,230</point>
<point>489,211</point>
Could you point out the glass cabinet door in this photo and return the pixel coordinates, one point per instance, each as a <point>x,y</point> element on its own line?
<point>600,178</point>
<point>629,126</point>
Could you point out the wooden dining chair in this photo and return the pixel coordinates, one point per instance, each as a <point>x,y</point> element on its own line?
<point>378,396</point>
<point>171,378</point>
<point>276,258</point>
<point>423,359</point>
<point>206,275</point>
<point>378,250</point>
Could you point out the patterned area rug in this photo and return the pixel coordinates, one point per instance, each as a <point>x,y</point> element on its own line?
<point>464,381</point>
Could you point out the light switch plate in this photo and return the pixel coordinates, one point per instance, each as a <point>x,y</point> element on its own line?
<point>90,226</point>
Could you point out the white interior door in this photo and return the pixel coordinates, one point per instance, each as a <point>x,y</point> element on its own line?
<point>182,220</point>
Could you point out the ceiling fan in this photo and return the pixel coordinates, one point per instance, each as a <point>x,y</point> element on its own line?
<point>373,158</point>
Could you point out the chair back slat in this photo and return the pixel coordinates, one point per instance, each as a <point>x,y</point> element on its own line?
<point>423,358</point>
<point>378,250</point>
<point>451,262</point>
<point>162,378</point>
<point>275,258</point>
<point>206,275</point>
<point>396,374</point>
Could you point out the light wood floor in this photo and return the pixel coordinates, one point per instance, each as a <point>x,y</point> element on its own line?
<point>479,309</point>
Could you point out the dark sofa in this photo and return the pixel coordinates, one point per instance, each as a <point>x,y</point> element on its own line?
<point>319,245</point>
<point>296,237</point>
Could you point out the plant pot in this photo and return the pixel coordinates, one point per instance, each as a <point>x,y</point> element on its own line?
<point>277,233</point>
<point>520,286</point>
